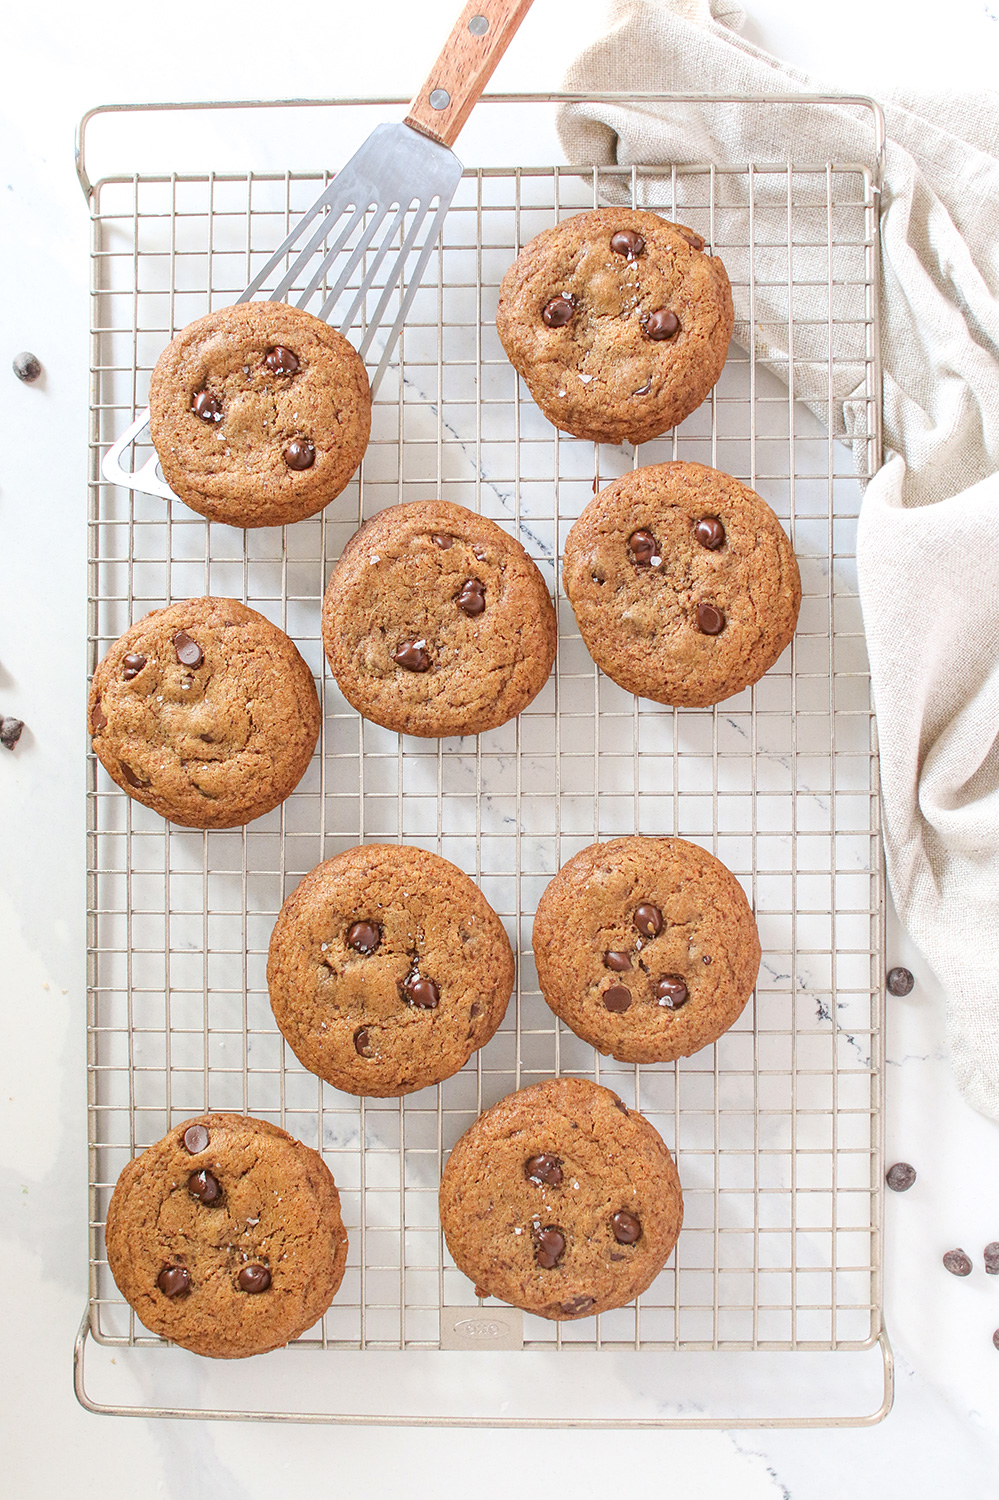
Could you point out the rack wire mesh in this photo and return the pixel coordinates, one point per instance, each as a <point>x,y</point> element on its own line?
<point>776,1128</point>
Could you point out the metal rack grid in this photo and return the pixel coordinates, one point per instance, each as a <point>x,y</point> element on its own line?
<point>776,1128</point>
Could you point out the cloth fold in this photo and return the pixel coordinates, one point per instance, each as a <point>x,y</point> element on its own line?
<point>927,553</point>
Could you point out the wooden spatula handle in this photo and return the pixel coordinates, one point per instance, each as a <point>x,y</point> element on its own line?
<point>482,34</point>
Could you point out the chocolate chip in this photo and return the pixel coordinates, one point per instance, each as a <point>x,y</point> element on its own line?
<point>195,1139</point>
<point>130,776</point>
<point>26,366</point>
<point>617,998</point>
<point>710,620</point>
<point>132,665</point>
<point>991,1258</point>
<point>710,532</point>
<point>576,1306</point>
<point>617,961</point>
<point>204,1186</point>
<point>625,1227</point>
<point>544,1168</point>
<point>100,718</point>
<point>900,981</point>
<point>300,453</point>
<point>11,730</point>
<point>282,361</point>
<point>188,652</point>
<point>472,599</point>
<point>412,655</point>
<point>695,241</point>
<point>995,1338</point>
<point>957,1263</point>
<point>627,242</point>
<point>648,920</point>
<point>672,992</point>
<point>364,937</point>
<point>174,1281</point>
<point>662,324</point>
<point>421,992</point>
<point>443,541</point>
<point>362,1042</point>
<point>253,1279</point>
<point>620,1104</point>
<point>644,549</point>
<point>549,1246</point>
<point>900,1177</point>
<point>206,406</point>
<point>559,311</point>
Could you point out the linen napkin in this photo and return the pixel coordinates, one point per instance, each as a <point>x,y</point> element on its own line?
<point>928,538</point>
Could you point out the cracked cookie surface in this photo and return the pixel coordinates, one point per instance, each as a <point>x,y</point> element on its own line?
<point>683,582</point>
<point>561,1201</point>
<point>226,1236</point>
<point>436,622</point>
<point>387,969</point>
<point>259,413</point>
<point>646,947</point>
<point>618,322</point>
<point>205,712</point>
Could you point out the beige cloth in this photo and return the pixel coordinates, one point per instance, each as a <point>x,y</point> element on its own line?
<point>928,544</point>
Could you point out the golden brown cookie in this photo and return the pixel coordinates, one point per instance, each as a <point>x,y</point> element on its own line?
<point>561,1200</point>
<point>646,948</point>
<point>618,322</point>
<point>684,585</point>
<point>226,1236</point>
<point>205,712</point>
<point>387,970</point>
<point>436,622</point>
<point>260,413</point>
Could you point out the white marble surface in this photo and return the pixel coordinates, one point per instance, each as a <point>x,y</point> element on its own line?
<point>943,1435</point>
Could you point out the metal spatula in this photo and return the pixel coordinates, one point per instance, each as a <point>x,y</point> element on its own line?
<point>375,207</point>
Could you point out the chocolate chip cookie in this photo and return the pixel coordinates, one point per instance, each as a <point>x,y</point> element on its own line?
<point>226,1236</point>
<point>387,970</point>
<point>561,1200</point>
<point>618,321</point>
<point>684,585</point>
<point>646,948</point>
<point>436,622</point>
<point>260,413</point>
<point>205,712</point>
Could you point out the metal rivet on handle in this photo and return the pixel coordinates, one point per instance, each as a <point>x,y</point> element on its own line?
<point>440,99</point>
<point>479,25</point>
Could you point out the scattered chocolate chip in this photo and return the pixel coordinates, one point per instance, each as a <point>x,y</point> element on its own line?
<point>132,665</point>
<point>174,1281</point>
<point>648,920</point>
<point>100,717</point>
<point>472,599</point>
<point>204,1186</point>
<point>559,311</point>
<point>300,453</point>
<point>619,962</point>
<point>253,1279</point>
<point>695,241</point>
<point>549,1246</point>
<point>710,532</point>
<point>900,981</point>
<point>644,549</point>
<point>130,776</point>
<point>710,620</point>
<point>443,541</point>
<point>412,655</point>
<point>576,1306</point>
<point>11,730</point>
<point>421,992</point>
<point>617,998</point>
<point>672,992</point>
<point>991,1258</point>
<point>995,1338</point>
<point>544,1169</point>
<point>662,324</point>
<point>206,406</point>
<point>627,242</point>
<point>188,652</point>
<point>362,1042</point>
<point>282,361</point>
<point>26,366</point>
<point>626,1228</point>
<point>195,1139</point>
<point>364,937</point>
<point>957,1263</point>
<point>900,1177</point>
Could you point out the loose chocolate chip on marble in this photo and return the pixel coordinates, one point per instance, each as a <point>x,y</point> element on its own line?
<point>900,1177</point>
<point>422,993</point>
<point>282,361</point>
<point>957,1263</point>
<point>710,533</point>
<point>662,324</point>
<point>174,1281</point>
<point>576,1306</point>
<point>991,1258</point>
<point>549,1246</point>
<point>617,998</point>
<point>472,599</point>
<point>672,992</point>
<point>644,549</point>
<point>710,620</point>
<point>132,665</point>
<point>364,937</point>
<point>130,776</point>
<point>695,241</point>
<point>543,1169</point>
<point>195,1139</point>
<point>900,981</point>
<point>625,1227</point>
<point>362,1042</point>
<point>412,655</point>
<point>11,730</point>
<point>206,406</point>
<point>619,962</point>
<point>558,311</point>
<point>648,920</point>
<point>187,651</point>
<point>100,717</point>
<point>204,1186</point>
<point>253,1278</point>
<point>442,540</point>
<point>300,453</point>
<point>627,242</point>
<point>26,366</point>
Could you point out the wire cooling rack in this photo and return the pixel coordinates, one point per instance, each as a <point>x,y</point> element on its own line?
<point>776,1128</point>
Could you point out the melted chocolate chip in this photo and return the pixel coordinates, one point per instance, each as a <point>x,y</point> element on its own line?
<point>710,533</point>
<point>472,599</point>
<point>130,776</point>
<point>364,937</point>
<point>422,993</point>
<point>619,962</point>
<point>576,1306</point>
<point>627,242</point>
<point>644,549</point>
<point>625,1227</point>
<point>559,311</point>
<point>991,1257</point>
<point>672,992</point>
<point>544,1169</point>
<point>710,620</point>
<point>188,652</point>
<point>900,981</point>
<point>443,541</point>
<point>11,730</point>
<point>648,920</point>
<point>695,241</point>
<point>900,1177</point>
<point>195,1139</point>
<point>206,406</point>
<point>100,717</point>
<point>617,998</point>
<point>362,1042</point>
<point>174,1281</point>
<point>300,453</point>
<point>132,665</point>
<point>549,1246</point>
<point>282,361</point>
<point>957,1263</point>
<point>253,1279</point>
<point>412,655</point>
<point>662,324</point>
<point>204,1186</point>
